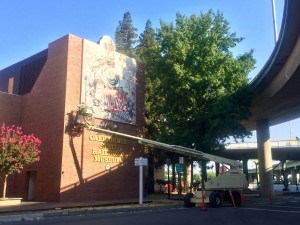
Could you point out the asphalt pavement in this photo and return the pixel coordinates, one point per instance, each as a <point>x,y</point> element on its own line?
<point>39,210</point>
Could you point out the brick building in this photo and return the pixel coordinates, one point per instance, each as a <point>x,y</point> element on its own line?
<point>39,94</point>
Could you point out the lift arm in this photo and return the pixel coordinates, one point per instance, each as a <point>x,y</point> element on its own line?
<point>173,148</point>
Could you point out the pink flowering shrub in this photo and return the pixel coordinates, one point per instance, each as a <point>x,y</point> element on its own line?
<point>16,150</point>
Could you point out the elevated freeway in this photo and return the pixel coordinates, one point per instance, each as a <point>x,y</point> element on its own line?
<point>286,152</point>
<point>281,150</point>
<point>276,95</point>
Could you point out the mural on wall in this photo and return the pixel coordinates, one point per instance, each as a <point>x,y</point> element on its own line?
<point>108,82</point>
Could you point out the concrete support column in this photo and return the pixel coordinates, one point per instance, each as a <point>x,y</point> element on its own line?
<point>284,174</point>
<point>245,169</point>
<point>294,176</point>
<point>264,158</point>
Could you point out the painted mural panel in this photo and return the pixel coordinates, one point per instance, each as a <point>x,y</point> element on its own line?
<point>108,82</point>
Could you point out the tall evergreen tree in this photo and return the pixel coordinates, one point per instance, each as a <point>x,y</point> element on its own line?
<point>146,51</point>
<point>125,36</point>
<point>146,44</point>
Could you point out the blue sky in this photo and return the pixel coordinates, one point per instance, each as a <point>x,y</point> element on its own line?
<point>28,26</point>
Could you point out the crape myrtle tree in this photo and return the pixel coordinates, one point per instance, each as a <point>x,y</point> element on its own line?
<point>125,36</point>
<point>197,90</point>
<point>16,151</point>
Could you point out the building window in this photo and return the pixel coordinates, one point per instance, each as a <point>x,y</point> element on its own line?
<point>10,88</point>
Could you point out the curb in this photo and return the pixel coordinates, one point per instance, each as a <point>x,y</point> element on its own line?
<point>83,211</point>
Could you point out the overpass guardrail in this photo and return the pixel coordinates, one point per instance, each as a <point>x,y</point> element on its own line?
<point>274,144</point>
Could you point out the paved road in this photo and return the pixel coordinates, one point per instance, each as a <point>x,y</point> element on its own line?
<point>278,212</point>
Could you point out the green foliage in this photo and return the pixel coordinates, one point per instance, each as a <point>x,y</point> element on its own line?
<point>197,91</point>
<point>211,175</point>
<point>125,36</point>
<point>83,110</point>
<point>196,177</point>
<point>147,51</point>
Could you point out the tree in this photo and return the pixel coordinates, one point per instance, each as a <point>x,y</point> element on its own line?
<point>16,151</point>
<point>147,50</point>
<point>200,91</point>
<point>147,47</point>
<point>125,36</point>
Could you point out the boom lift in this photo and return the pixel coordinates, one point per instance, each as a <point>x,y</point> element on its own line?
<point>226,186</point>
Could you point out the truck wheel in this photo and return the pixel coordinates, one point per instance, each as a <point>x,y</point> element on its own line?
<point>237,198</point>
<point>215,199</point>
<point>187,200</point>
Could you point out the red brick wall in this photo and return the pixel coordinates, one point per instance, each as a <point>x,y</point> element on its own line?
<point>9,108</point>
<point>67,170</point>
<point>83,178</point>
<point>42,113</point>
<point>72,147</point>
<point>87,179</point>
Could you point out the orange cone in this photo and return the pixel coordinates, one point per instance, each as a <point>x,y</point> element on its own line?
<point>203,208</point>
<point>242,196</point>
<point>270,197</point>
<point>232,199</point>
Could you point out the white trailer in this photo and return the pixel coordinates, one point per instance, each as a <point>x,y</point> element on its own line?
<point>226,186</point>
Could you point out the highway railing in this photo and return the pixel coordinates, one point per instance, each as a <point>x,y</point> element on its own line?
<point>274,144</point>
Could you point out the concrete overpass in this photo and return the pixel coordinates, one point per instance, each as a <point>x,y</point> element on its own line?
<point>281,150</point>
<point>276,94</point>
